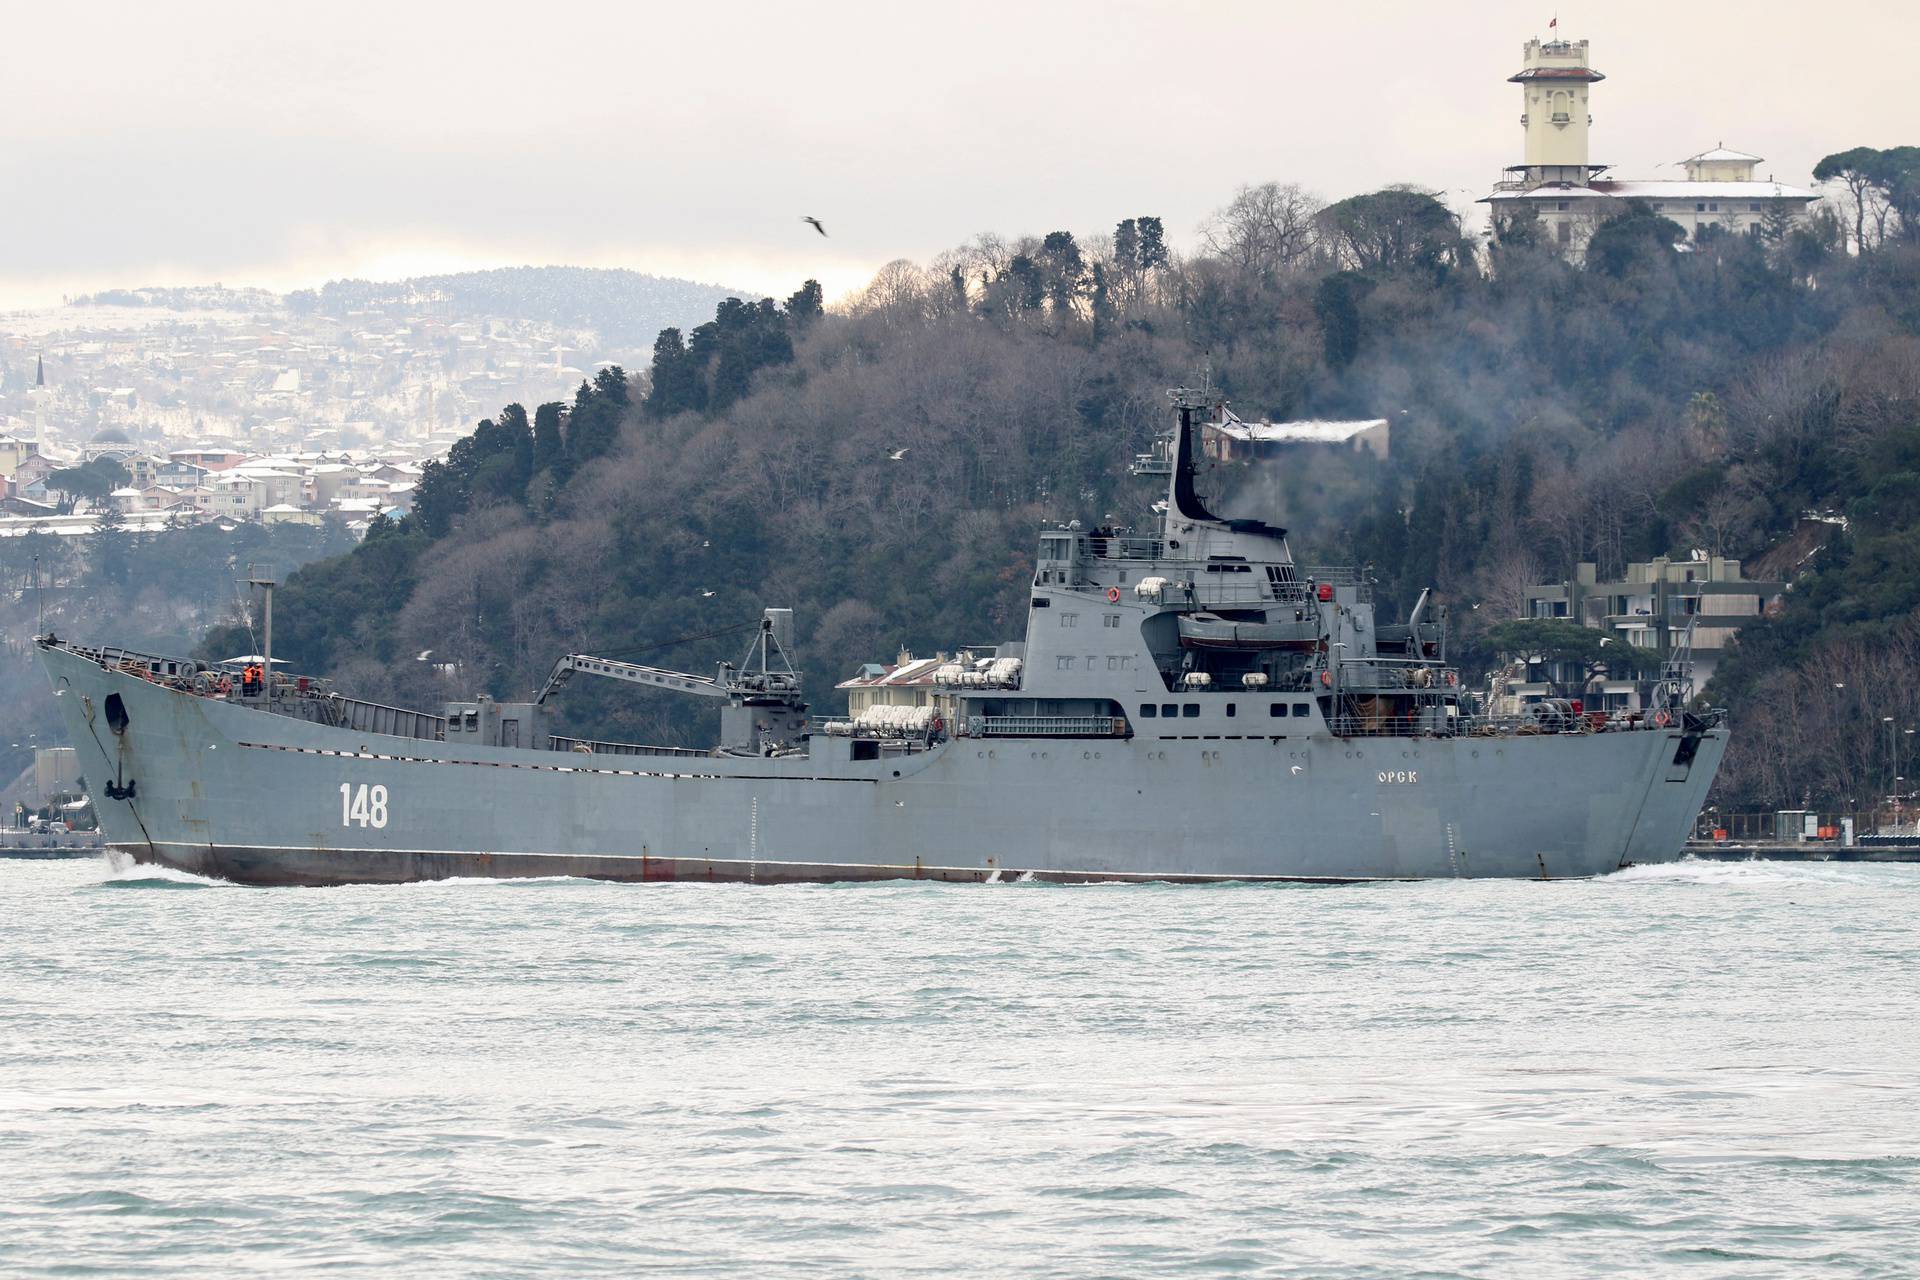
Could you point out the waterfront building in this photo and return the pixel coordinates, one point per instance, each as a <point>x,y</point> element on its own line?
<point>1657,602</point>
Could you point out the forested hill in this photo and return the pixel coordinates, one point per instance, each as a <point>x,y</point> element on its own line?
<point>626,308</point>
<point>1654,401</point>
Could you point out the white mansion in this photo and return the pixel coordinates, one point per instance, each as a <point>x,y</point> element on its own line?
<point>1566,190</point>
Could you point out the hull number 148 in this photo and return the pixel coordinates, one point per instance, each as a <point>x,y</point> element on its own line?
<point>363,805</point>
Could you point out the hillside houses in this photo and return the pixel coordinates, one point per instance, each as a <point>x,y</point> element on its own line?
<point>208,482</point>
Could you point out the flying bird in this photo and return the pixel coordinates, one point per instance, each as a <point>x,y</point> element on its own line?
<point>815,224</point>
<point>896,455</point>
<point>706,595</point>
<point>423,655</point>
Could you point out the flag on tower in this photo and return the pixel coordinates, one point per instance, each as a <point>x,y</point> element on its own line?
<point>1556,22</point>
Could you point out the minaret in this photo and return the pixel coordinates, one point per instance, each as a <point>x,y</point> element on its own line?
<point>1554,79</point>
<point>39,394</point>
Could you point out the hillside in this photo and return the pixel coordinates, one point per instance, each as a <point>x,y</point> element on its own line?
<point>623,307</point>
<point>1652,402</point>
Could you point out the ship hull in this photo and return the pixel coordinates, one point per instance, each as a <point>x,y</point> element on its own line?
<point>223,790</point>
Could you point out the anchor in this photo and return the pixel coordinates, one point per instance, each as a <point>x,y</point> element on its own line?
<point>121,788</point>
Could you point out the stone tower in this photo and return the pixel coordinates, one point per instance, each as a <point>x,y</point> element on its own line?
<point>1554,79</point>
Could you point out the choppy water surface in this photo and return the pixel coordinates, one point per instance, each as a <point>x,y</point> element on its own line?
<point>1698,1069</point>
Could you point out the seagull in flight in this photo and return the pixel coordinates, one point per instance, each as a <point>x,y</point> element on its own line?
<point>814,223</point>
<point>423,655</point>
<point>706,595</point>
<point>896,455</point>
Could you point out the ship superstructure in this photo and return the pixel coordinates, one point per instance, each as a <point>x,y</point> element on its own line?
<point>1187,704</point>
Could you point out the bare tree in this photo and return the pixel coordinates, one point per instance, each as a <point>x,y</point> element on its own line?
<point>1265,230</point>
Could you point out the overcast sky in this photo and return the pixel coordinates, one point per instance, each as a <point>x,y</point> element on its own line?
<point>285,145</point>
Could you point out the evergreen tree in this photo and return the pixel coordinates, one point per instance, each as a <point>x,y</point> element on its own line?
<point>611,383</point>
<point>1336,301</point>
<point>676,383</point>
<point>1103,313</point>
<point>1029,283</point>
<point>1153,244</point>
<point>806,305</point>
<point>1064,271</point>
<point>594,423</point>
<point>549,447</point>
<point>111,547</point>
<point>1636,240</point>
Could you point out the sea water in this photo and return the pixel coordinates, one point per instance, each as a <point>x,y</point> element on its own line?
<point>1701,1069</point>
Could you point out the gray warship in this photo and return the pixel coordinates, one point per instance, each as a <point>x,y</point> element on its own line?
<point>1187,705</point>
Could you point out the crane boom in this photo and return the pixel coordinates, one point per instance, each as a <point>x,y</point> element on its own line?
<point>678,681</point>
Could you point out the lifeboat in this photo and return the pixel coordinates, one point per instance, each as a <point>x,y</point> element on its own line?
<point>1211,631</point>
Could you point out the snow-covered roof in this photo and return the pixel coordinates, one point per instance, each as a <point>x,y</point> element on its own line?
<point>80,525</point>
<point>1548,192</point>
<point>1722,153</point>
<point>1677,189</point>
<point>1314,432</point>
<point>917,671</point>
<point>281,508</point>
<point>1683,190</point>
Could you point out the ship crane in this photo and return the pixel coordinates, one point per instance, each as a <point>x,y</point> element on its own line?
<point>765,708</point>
<point>766,675</point>
<point>679,681</point>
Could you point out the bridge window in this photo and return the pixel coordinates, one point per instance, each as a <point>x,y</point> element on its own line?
<point>1148,711</point>
<point>1069,619</point>
<point>1169,709</point>
<point>1301,709</point>
<point>1191,711</point>
<point>1230,709</point>
<point>1111,620</point>
<point>1276,708</point>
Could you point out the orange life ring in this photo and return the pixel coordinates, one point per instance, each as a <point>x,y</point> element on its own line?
<point>1113,595</point>
<point>1326,678</point>
<point>1661,718</point>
